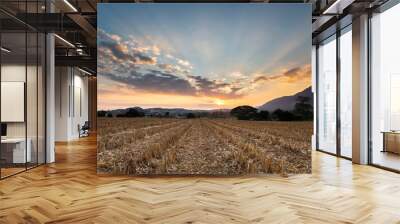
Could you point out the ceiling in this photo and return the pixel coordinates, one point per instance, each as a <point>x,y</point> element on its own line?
<point>75,21</point>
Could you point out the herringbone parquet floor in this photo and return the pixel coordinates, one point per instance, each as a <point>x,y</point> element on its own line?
<point>69,191</point>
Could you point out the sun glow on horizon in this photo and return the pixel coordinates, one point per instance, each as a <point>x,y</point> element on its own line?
<point>219,102</point>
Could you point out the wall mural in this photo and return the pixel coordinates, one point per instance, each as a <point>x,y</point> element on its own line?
<point>207,89</point>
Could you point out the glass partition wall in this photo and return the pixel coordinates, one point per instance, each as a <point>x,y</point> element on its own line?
<point>334,93</point>
<point>13,89</point>
<point>327,95</point>
<point>345,91</point>
<point>22,116</point>
<point>385,89</point>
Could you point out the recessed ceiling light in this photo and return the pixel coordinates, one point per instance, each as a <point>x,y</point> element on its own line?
<point>337,7</point>
<point>70,5</point>
<point>64,40</point>
<point>86,72</point>
<point>5,50</point>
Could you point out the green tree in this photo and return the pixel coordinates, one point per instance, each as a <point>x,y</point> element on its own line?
<point>101,113</point>
<point>244,112</point>
<point>190,115</point>
<point>263,115</point>
<point>284,115</point>
<point>132,112</point>
<point>303,108</point>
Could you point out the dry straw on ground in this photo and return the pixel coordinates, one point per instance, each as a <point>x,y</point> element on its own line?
<point>137,146</point>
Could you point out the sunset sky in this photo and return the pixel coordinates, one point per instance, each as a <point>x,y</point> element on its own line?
<point>201,56</point>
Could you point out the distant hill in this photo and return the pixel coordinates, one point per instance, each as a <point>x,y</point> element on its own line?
<point>123,111</point>
<point>287,102</point>
<point>164,111</point>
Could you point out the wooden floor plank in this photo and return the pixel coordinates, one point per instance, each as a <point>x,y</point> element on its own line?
<point>70,191</point>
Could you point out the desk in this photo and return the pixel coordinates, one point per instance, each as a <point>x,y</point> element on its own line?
<point>13,150</point>
<point>391,141</point>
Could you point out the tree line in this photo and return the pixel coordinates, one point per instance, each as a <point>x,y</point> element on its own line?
<point>303,111</point>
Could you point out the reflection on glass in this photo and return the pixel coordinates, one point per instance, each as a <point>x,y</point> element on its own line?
<point>385,84</point>
<point>14,153</point>
<point>22,91</point>
<point>346,93</point>
<point>31,100</point>
<point>394,102</point>
<point>327,96</point>
<point>41,99</point>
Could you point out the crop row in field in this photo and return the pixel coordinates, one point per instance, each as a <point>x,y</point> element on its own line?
<point>202,146</point>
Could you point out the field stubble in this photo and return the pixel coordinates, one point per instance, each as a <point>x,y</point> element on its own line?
<point>139,146</point>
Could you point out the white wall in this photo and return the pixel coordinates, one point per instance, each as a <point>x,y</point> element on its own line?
<point>9,73</point>
<point>62,81</point>
<point>80,109</point>
<point>16,73</point>
<point>71,102</point>
<point>13,101</point>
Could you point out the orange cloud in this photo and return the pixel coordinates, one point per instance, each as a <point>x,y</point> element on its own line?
<point>290,75</point>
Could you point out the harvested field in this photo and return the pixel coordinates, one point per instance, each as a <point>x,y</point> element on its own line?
<point>139,146</point>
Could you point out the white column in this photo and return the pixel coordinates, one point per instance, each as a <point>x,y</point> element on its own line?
<point>50,98</point>
<point>360,89</point>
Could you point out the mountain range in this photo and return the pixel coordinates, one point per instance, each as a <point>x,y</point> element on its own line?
<point>287,102</point>
<point>284,103</point>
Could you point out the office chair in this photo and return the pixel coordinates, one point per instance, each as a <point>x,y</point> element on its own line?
<point>84,130</point>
